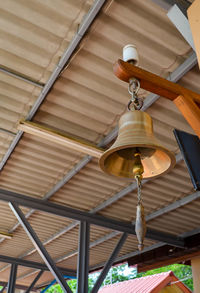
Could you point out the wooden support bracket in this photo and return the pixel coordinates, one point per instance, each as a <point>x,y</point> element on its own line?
<point>190,111</point>
<point>186,100</point>
<point>152,82</point>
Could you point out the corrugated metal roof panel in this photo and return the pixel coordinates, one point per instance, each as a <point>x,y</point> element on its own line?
<point>180,220</point>
<point>33,37</point>
<point>86,101</point>
<point>148,284</point>
<point>36,166</point>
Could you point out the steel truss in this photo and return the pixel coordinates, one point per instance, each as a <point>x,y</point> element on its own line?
<point>12,279</point>
<point>34,265</point>
<point>109,263</point>
<point>34,282</point>
<point>75,214</point>
<point>83,260</point>
<point>40,247</point>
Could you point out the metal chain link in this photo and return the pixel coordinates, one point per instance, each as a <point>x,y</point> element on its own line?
<point>139,188</point>
<point>133,88</point>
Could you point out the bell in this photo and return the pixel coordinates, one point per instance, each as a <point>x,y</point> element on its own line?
<point>136,148</point>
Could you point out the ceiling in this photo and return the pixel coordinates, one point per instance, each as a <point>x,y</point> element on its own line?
<point>85,101</point>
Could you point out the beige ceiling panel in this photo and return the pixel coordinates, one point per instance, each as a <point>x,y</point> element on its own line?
<point>35,34</point>
<point>86,101</point>
<point>33,37</point>
<point>34,164</point>
<point>93,187</point>
<point>148,20</point>
<point>179,221</point>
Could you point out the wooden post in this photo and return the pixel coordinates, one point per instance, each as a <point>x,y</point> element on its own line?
<point>196,273</point>
<point>194,20</point>
<point>190,111</point>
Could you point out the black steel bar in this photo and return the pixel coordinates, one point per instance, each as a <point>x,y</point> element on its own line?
<point>83,260</point>
<point>109,263</point>
<point>34,265</point>
<point>67,212</point>
<point>12,279</point>
<point>40,248</point>
<point>34,282</point>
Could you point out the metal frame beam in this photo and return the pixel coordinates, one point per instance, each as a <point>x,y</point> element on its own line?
<point>8,132</point>
<point>34,265</point>
<point>106,203</point>
<point>178,18</point>
<point>34,282</point>
<point>83,259</point>
<point>186,235</point>
<point>21,77</point>
<point>109,263</point>
<point>175,205</point>
<point>169,208</point>
<point>68,212</point>
<point>12,279</point>
<point>40,248</point>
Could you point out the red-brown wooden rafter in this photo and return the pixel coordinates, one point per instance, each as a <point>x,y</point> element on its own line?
<point>186,100</point>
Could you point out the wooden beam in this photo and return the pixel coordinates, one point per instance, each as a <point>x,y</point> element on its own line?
<point>61,139</point>
<point>190,111</point>
<point>152,82</point>
<point>181,259</point>
<point>6,235</point>
<point>165,255</point>
<point>194,20</point>
<point>196,273</point>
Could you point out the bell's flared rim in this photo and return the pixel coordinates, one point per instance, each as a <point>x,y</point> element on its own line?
<point>170,155</point>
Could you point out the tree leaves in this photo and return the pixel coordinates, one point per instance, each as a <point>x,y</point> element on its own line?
<point>122,273</point>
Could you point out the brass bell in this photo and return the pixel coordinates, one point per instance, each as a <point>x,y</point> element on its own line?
<point>136,147</point>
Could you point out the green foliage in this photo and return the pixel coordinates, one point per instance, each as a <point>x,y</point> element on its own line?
<point>55,289</point>
<point>119,274</point>
<point>181,272</point>
<point>122,273</point>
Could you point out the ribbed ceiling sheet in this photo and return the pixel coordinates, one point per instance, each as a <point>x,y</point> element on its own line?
<point>33,37</point>
<point>86,101</point>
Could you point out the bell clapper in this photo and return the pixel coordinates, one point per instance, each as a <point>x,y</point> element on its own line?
<point>140,226</point>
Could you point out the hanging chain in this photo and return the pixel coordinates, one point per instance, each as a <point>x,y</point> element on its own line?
<point>133,88</point>
<point>140,224</point>
<point>139,188</point>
